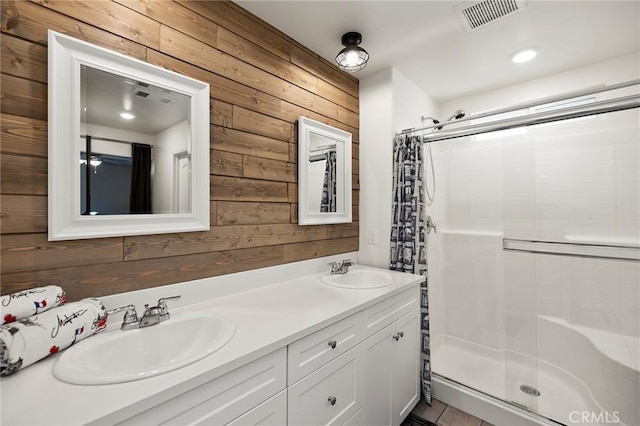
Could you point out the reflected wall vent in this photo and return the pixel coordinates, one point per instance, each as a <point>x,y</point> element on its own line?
<point>474,15</point>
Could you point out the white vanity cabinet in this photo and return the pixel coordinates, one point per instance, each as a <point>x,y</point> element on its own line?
<point>272,412</point>
<point>362,370</point>
<point>227,398</point>
<point>392,391</point>
<point>325,356</point>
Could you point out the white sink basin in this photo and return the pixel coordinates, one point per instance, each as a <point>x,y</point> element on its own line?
<point>123,356</point>
<point>358,278</point>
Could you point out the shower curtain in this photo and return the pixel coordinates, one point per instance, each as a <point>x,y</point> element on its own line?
<point>329,185</point>
<point>408,237</point>
<point>140,195</point>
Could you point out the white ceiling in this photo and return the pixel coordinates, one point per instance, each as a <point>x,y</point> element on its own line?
<point>106,95</point>
<point>427,43</point>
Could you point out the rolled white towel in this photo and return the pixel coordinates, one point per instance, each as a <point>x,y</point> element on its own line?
<point>25,303</point>
<point>30,339</point>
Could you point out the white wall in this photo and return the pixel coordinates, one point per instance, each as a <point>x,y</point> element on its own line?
<point>112,148</point>
<point>167,143</point>
<point>615,70</point>
<point>389,102</point>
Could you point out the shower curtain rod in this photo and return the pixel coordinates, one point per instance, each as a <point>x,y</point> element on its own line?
<point>602,107</point>
<point>113,140</point>
<point>541,101</point>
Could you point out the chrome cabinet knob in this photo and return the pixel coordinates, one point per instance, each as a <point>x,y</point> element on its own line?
<point>398,335</point>
<point>333,344</point>
<point>332,400</point>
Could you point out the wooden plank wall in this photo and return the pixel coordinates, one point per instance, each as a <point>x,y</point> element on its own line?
<point>261,81</point>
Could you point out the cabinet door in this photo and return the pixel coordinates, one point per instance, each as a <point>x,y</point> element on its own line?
<point>331,395</point>
<point>405,372</point>
<point>376,352</point>
<point>272,412</point>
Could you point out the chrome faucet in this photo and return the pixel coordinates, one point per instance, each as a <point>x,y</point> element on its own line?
<point>152,315</point>
<point>341,267</point>
<point>130,320</point>
<point>155,314</point>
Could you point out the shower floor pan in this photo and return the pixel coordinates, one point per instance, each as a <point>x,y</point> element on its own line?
<point>483,369</point>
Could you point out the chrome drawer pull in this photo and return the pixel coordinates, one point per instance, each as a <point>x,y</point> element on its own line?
<point>333,345</point>
<point>332,400</point>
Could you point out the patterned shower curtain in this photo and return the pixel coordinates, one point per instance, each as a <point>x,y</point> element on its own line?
<point>329,186</point>
<point>408,237</point>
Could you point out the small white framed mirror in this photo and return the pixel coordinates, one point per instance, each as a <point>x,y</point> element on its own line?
<point>128,145</point>
<point>324,173</point>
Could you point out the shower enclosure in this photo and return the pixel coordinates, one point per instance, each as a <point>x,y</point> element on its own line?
<point>534,274</point>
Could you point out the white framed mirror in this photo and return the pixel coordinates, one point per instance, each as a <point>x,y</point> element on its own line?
<point>128,145</point>
<point>324,173</point>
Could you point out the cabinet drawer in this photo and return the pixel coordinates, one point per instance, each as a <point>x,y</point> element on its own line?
<point>312,352</point>
<point>382,314</point>
<point>272,412</point>
<point>331,395</point>
<point>222,399</point>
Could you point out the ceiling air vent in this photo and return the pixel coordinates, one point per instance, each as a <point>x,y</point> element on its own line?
<point>477,14</point>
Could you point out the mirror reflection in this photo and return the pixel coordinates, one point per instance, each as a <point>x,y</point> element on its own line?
<point>135,148</point>
<point>324,173</point>
<point>325,194</point>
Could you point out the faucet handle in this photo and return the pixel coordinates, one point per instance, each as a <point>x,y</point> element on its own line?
<point>335,267</point>
<point>430,225</point>
<point>130,316</point>
<point>344,266</point>
<point>164,310</point>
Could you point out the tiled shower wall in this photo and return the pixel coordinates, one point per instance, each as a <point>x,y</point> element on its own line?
<point>572,181</point>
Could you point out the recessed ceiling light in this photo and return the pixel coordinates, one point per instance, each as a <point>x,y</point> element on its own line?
<point>524,55</point>
<point>127,115</point>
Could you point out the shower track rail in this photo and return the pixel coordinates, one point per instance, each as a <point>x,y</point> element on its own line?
<point>601,251</point>
<point>601,107</point>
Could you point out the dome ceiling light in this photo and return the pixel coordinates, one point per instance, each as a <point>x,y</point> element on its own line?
<point>352,58</point>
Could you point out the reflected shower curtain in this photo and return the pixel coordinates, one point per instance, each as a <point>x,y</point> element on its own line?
<point>408,237</point>
<point>329,185</point>
<point>140,194</point>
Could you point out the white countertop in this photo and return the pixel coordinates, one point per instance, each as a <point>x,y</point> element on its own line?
<point>267,318</point>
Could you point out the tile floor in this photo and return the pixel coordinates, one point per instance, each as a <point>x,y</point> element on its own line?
<point>441,414</point>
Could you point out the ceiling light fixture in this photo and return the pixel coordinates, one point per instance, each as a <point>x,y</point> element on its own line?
<point>524,55</point>
<point>353,57</point>
<point>127,115</point>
